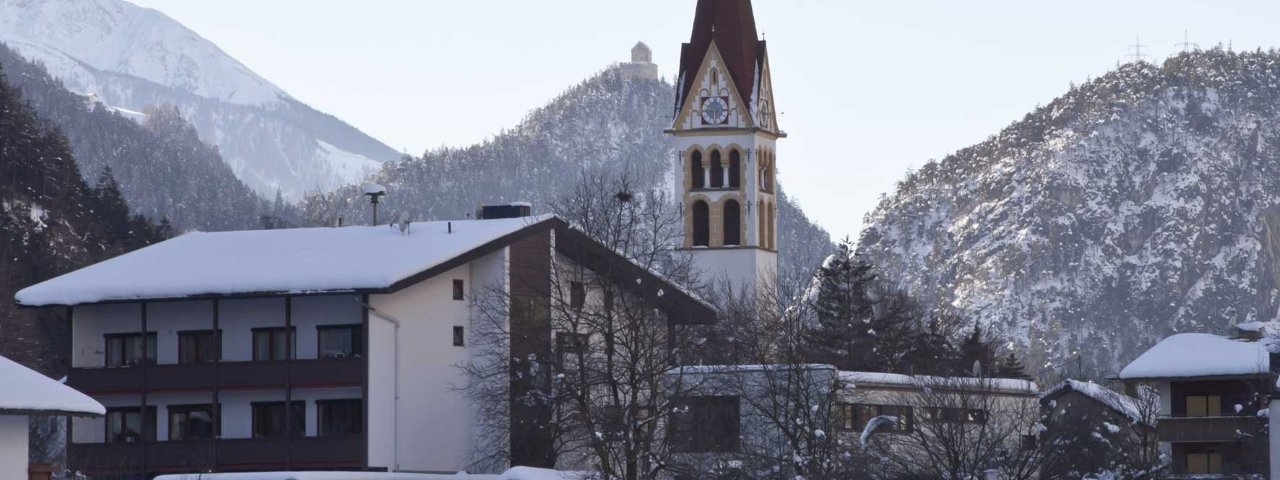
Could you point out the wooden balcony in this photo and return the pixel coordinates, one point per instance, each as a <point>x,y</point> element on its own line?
<point>220,455</point>
<point>225,376</point>
<point>1209,429</point>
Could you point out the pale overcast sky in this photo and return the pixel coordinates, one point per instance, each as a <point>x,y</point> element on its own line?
<point>868,88</point>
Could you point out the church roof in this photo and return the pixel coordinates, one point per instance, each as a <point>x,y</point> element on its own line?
<point>731,24</point>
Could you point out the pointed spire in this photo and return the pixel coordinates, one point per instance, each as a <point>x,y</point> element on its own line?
<point>731,24</point>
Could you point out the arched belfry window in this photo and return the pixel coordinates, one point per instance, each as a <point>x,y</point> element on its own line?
<point>732,223</point>
<point>701,224</point>
<point>697,170</point>
<point>761,231</point>
<point>717,170</point>
<point>771,223</point>
<point>735,169</point>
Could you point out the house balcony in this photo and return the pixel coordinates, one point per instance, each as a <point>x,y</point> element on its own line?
<point>1209,429</point>
<point>347,452</point>
<point>315,373</point>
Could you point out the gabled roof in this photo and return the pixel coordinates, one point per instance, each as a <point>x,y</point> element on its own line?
<point>310,261</point>
<point>732,25</point>
<point>1120,403</point>
<point>27,392</point>
<point>1190,355</point>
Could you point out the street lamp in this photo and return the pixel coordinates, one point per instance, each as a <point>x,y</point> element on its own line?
<point>375,193</point>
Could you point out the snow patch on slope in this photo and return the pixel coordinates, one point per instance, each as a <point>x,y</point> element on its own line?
<point>348,167</point>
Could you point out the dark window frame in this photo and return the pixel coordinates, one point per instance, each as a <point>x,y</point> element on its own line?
<point>705,424</point>
<point>570,343</point>
<point>297,408</point>
<point>577,295</point>
<point>957,415</point>
<point>697,170</point>
<point>717,170</point>
<point>853,417</point>
<point>735,169</point>
<point>701,223</point>
<point>149,353</point>
<point>216,347</point>
<point>323,412</point>
<point>459,336</point>
<point>357,340</point>
<point>186,411</point>
<point>732,223</point>
<point>290,351</point>
<point>459,289</point>
<point>120,414</point>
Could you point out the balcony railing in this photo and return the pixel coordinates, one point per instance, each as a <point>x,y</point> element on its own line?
<point>224,375</point>
<point>220,455</point>
<point>1209,429</point>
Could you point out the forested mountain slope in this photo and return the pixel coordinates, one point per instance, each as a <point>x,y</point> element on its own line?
<point>605,124</point>
<point>1139,204</point>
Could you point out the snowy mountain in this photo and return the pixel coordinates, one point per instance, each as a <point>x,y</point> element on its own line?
<point>132,58</point>
<point>605,124</point>
<point>1143,203</point>
<point>163,169</point>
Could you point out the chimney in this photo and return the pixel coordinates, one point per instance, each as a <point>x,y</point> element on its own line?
<point>510,210</point>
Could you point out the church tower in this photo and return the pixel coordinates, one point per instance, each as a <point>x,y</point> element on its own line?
<point>725,132</point>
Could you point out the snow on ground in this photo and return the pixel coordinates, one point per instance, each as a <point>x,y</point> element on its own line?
<point>347,166</point>
<point>28,392</point>
<point>517,473</point>
<point>1199,355</point>
<point>272,261</point>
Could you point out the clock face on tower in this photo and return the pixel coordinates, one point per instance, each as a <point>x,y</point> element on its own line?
<point>715,110</point>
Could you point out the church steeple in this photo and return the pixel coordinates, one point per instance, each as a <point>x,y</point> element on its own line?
<point>726,130</point>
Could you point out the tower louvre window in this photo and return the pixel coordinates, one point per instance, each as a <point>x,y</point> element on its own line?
<point>698,171</point>
<point>717,170</point>
<point>701,225</point>
<point>732,223</point>
<point>735,169</point>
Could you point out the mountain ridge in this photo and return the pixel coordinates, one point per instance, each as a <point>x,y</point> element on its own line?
<point>1139,204</point>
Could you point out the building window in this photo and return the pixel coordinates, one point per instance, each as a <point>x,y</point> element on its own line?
<point>125,425</point>
<point>269,419</point>
<point>1204,405</point>
<point>577,295</point>
<point>854,417</point>
<point>701,224</point>
<point>698,171</point>
<point>270,343</point>
<point>717,170</point>
<point>200,346</point>
<point>340,341</point>
<point>957,415</point>
<point>704,424</point>
<point>125,349</point>
<point>732,223</point>
<point>191,422</point>
<point>1203,462</point>
<point>459,336</point>
<point>339,417</point>
<point>458,289</point>
<point>568,344</point>
<point>735,169</point>
<point>607,300</point>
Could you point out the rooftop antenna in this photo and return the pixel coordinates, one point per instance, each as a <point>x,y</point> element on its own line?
<point>1186,44</point>
<point>1137,47</point>
<point>375,193</point>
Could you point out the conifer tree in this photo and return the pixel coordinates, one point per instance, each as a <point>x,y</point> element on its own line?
<point>1010,366</point>
<point>976,354</point>
<point>842,310</point>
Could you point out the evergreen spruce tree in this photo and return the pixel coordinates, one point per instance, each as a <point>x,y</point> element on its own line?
<point>932,352</point>
<point>1011,367</point>
<point>842,310</point>
<point>976,354</point>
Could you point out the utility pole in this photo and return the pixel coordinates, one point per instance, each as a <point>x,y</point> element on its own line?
<point>1137,54</point>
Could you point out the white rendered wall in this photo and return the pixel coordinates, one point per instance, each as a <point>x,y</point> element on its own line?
<point>13,446</point>
<point>433,415</point>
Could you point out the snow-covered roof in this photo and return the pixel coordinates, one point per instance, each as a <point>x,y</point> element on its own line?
<point>295,261</point>
<point>1123,404</point>
<point>27,392</point>
<point>878,379</point>
<point>1199,355</point>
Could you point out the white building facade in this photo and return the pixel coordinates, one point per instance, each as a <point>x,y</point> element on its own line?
<point>305,349</point>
